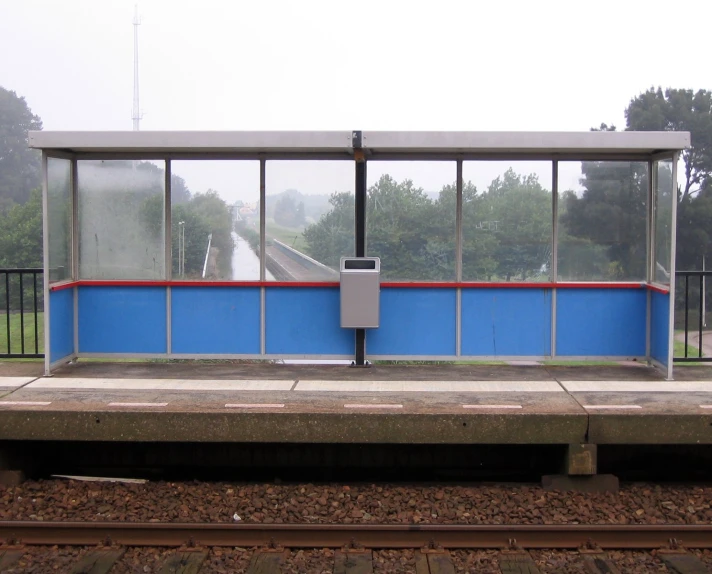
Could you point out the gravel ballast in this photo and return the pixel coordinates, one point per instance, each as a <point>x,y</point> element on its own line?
<point>70,500</point>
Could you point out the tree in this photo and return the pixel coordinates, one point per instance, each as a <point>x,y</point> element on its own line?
<point>214,212</point>
<point>332,236</point>
<point>603,230</point>
<point>679,110</point>
<point>286,212</point>
<point>516,212</point>
<point>20,170</point>
<point>21,233</point>
<point>404,229</point>
<point>506,230</point>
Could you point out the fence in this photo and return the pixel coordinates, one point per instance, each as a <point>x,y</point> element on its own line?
<point>692,301</point>
<point>21,313</point>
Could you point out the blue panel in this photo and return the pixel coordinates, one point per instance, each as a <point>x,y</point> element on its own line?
<point>601,322</point>
<point>414,321</point>
<point>122,319</point>
<point>218,320</point>
<point>660,325</point>
<point>506,322</point>
<point>61,324</point>
<point>306,321</point>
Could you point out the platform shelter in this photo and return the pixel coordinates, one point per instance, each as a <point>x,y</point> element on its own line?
<point>503,246</point>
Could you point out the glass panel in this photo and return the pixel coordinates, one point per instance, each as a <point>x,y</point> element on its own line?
<point>664,194</point>
<point>410,219</point>
<point>59,218</point>
<point>215,220</point>
<point>506,221</point>
<point>121,223</point>
<point>310,218</point>
<point>602,220</point>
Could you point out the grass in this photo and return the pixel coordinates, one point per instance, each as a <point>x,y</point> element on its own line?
<point>678,350</point>
<point>288,235</point>
<point>16,332</point>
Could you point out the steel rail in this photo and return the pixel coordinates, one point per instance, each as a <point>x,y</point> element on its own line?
<point>368,535</point>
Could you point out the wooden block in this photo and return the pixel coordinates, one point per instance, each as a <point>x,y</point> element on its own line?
<point>421,563</point>
<point>353,562</point>
<point>266,562</point>
<point>10,557</point>
<point>517,563</point>
<point>440,563</point>
<point>683,563</point>
<point>12,477</point>
<point>97,561</point>
<point>599,563</point>
<point>184,562</point>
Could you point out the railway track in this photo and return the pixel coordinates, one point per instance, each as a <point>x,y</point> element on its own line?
<point>354,545</point>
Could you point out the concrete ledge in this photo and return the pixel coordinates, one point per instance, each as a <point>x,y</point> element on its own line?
<point>383,428</point>
<point>658,428</point>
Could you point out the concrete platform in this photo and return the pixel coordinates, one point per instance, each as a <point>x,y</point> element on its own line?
<point>421,404</point>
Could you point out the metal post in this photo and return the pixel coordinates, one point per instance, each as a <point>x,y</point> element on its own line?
<point>263,256</point>
<point>554,266</point>
<point>458,256</point>
<point>75,248</point>
<point>22,318</point>
<point>360,230</point>
<point>672,262</point>
<point>168,251</point>
<point>45,265</point>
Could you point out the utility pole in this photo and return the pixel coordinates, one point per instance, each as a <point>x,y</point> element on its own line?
<point>136,115</point>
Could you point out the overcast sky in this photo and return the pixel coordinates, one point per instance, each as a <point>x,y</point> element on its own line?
<point>381,65</point>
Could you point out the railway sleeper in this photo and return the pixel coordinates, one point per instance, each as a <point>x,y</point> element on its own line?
<point>517,562</point>
<point>99,561</point>
<point>433,562</point>
<point>10,555</point>
<point>599,563</point>
<point>682,562</point>
<point>185,562</point>
<point>267,561</point>
<point>350,561</point>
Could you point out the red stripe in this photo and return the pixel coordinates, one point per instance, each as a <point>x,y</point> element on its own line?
<point>657,289</point>
<point>63,286</point>
<point>386,284</point>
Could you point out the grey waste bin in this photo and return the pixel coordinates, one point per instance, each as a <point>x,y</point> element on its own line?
<point>360,292</point>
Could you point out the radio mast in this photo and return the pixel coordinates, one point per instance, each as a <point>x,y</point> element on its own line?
<point>136,115</point>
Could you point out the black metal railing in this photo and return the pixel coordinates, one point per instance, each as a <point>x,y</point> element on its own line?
<point>21,320</point>
<point>692,291</point>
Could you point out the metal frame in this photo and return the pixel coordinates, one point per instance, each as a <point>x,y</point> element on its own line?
<point>374,146</point>
<point>263,255</point>
<point>168,249</point>
<point>459,184</point>
<point>673,251</point>
<point>297,356</point>
<point>554,271</point>
<point>374,142</point>
<point>45,264</point>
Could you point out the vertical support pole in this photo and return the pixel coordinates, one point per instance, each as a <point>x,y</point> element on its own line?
<point>22,316</point>
<point>673,252</point>
<point>360,229</point>
<point>168,252</point>
<point>263,256</point>
<point>650,254</point>
<point>45,257</point>
<point>458,258</point>
<point>554,270</point>
<point>74,253</point>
